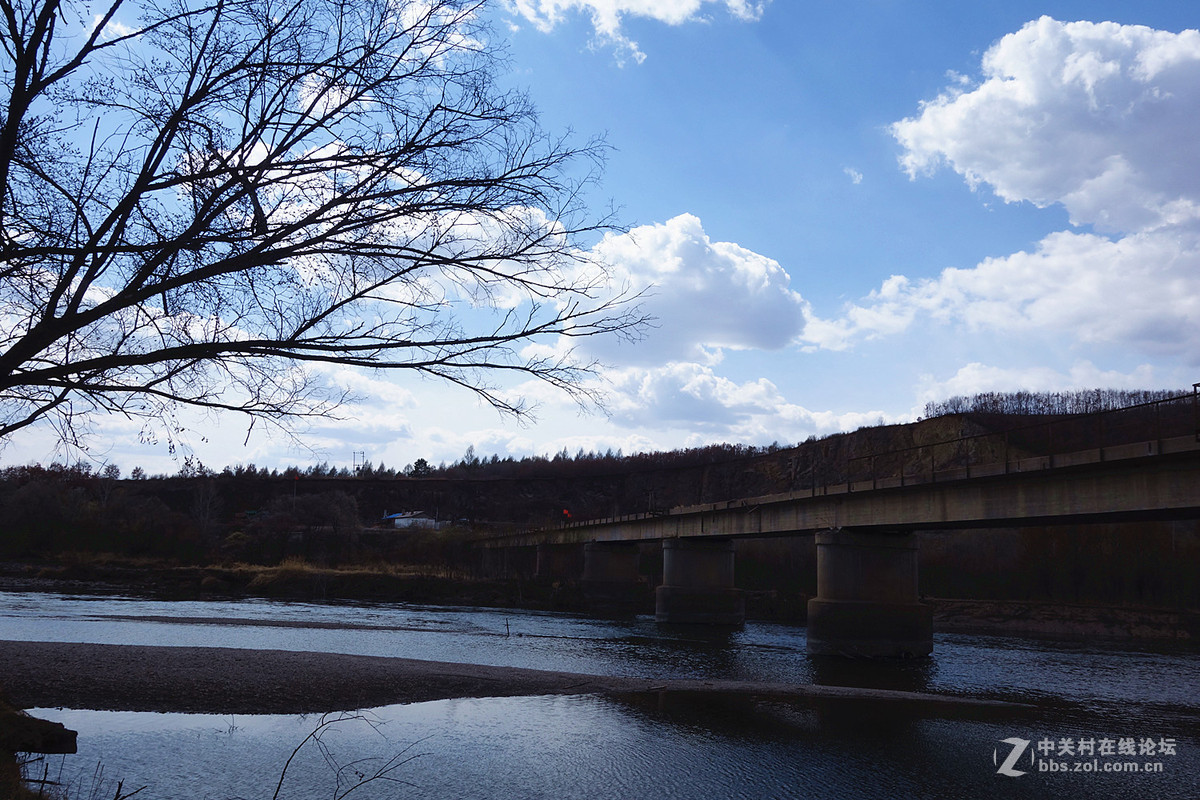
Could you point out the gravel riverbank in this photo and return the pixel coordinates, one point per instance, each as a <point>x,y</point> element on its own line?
<point>219,680</point>
<point>232,680</point>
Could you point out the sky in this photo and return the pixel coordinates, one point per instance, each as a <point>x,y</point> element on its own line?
<point>839,212</point>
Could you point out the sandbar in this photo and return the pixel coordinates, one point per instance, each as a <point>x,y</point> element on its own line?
<point>223,680</point>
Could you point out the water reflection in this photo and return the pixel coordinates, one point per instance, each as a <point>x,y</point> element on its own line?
<point>669,745</point>
<point>1101,678</point>
<point>904,675</point>
<point>750,718</point>
<point>686,747</point>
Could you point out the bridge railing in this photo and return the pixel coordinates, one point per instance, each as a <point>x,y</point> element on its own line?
<point>1038,445</point>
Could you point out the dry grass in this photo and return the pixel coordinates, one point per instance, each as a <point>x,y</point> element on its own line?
<point>426,577</point>
<point>294,568</point>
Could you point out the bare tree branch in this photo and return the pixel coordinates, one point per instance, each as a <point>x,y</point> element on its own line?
<point>201,203</point>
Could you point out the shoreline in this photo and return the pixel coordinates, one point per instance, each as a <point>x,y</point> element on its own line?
<point>1043,620</point>
<point>217,680</point>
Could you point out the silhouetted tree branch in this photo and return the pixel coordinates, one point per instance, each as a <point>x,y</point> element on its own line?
<point>212,203</point>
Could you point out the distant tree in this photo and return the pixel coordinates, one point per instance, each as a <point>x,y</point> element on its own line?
<point>1083,401</point>
<point>209,203</point>
<point>193,468</point>
<point>469,461</point>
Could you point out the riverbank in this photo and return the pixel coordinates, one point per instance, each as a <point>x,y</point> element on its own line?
<point>218,680</point>
<point>298,580</point>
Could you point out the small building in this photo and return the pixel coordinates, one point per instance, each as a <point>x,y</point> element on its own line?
<point>417,520</point>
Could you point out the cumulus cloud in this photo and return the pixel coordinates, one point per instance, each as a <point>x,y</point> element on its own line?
<point>712,407</point>
<point>691,394</point>
<point>1099,118</point>
<point>608,15</point>
<point>704,295</point>
<point>1096,116</point>
<point>1142,291</point>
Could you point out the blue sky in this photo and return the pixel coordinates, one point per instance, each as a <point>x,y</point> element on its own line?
<point>841,211</point>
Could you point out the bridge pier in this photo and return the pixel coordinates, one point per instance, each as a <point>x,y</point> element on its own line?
<point>517,561</point>
<point>612,584</point>
<point>559,561</point>
<point>698,586</point>
<point>867,602</point>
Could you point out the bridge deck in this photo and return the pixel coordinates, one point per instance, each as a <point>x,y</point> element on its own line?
<point>1148,480</point>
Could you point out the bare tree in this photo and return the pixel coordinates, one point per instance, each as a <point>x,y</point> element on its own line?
<point>207,203</point>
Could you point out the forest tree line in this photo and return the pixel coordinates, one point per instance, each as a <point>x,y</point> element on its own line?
<point>1084,401</point>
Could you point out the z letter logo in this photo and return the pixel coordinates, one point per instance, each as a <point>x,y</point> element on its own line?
<point>1018,749</point>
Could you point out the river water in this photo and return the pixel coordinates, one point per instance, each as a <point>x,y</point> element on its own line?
<point>1125,721</point>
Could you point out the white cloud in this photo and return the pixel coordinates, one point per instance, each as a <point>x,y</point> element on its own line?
<point>1142,292</point>
<point>1099,117</point>
<point>711,407</point>
<point>607,16</point>
<point>690,394</point>
<point>855,176</point>
<point>114,29</point>
<point>705,295</point>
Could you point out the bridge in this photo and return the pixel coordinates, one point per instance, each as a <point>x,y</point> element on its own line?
<point>867,599</point>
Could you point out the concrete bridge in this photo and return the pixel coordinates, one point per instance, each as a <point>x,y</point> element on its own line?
<point>867,599</point>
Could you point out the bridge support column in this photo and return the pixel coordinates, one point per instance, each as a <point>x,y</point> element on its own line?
<point>698,584</point>
<point>611,582</point>
<point>867,601</point>
<point>559,561</point>
<point>507,562</point>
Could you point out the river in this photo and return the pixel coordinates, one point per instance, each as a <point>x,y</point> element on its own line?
<point>1125,720</point>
